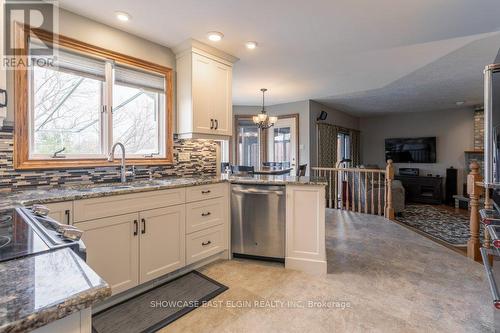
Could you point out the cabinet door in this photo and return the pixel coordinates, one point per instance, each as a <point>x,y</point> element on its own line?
<point>162,245</point>
<point>221,98</point>
<point>62,212</point>
<point>113,249</point>
<point>202,91</point>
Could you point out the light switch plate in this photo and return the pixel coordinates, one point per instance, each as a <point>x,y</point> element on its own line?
<point>184,157</point>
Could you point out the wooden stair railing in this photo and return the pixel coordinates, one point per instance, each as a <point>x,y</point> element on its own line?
<point>475,190</point>
<point>359,190</point>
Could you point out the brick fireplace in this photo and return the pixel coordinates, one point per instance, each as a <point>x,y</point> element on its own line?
<point>478,152</point>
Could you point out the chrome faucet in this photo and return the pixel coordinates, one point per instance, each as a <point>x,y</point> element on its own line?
<point>123,169</point>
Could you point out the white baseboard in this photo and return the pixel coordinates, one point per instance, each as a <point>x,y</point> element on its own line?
<point>317,267</point>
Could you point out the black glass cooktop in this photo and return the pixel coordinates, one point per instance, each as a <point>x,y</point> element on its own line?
<point>17,236</point>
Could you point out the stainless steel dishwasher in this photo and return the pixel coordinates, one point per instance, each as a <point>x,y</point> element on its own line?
<point>258,221</point>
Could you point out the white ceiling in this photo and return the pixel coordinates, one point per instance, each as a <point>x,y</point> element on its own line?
<point>360,56</point>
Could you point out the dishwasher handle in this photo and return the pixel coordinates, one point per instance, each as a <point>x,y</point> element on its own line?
<point>258,192</point>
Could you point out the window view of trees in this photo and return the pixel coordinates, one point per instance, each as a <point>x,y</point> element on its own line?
<point>135,119</point>
<point>66,112</point>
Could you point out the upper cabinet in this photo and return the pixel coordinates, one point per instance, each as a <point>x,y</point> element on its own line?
<point>204,91</point>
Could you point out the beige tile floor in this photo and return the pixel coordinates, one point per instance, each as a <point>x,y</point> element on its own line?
<point>392,280</point>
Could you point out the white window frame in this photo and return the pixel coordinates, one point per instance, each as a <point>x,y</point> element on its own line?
<point>106,120</point>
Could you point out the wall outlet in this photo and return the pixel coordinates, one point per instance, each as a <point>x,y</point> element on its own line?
<point>184,157</point>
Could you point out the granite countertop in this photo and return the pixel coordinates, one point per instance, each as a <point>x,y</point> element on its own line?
<point>76,192</point>
<point>10,200</point>
<point>40,289</point>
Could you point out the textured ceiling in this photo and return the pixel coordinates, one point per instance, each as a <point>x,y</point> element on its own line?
<point>360,56</point>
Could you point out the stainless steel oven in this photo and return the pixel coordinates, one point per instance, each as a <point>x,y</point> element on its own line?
<point>258,221</point>
<point>492,125</point>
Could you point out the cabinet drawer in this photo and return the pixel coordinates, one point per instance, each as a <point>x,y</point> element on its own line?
<point>204,214</point>
<point>202,192</point>
<point>89,209</point>
<point>203,244</point>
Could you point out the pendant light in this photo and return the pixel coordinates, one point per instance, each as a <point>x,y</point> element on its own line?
<point>262,120</point>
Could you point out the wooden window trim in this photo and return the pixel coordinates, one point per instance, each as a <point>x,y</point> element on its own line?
<point>21,157</point>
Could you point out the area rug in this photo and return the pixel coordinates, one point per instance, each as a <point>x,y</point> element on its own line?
<point>158,307</point>
<point>438,222</point>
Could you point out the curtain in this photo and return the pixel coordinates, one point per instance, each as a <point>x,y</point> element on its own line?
<point>327,145</point>
<point>355,147</point>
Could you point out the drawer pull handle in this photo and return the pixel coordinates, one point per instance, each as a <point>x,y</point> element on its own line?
<point>206,243</point>
<point>68,216</point>
<point>143,231</point>
<point>205,192</point>
<point>205,214</point>
<point>136,229</point>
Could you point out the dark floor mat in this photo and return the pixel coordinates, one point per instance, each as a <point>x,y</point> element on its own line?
<point>158,307</point>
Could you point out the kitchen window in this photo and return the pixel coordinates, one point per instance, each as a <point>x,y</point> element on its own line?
<point>89,99</point>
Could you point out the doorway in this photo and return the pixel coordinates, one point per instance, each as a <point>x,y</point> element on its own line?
<point>282,142</point>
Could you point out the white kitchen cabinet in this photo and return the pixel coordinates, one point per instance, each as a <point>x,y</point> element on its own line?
<point>221,90</point>
<point>204,214</point>
<point>77,322</point>
<point>89,209</point>
<point>113,249</point>
<point>305,228</point>
<point>204,192</point>
<point>129,242</point>
<point>204,92</point>
<point>62,212</point>
<point>161,244</point>
<point>202,244</point>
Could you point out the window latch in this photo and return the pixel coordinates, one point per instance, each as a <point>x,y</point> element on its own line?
<point>57,152</point>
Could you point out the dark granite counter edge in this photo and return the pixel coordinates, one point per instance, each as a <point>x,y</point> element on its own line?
<point>58,311</point>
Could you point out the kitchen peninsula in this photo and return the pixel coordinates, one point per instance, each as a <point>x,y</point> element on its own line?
<point>168,198</point>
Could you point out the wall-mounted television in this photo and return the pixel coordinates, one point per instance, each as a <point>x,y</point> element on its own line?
<point>411,150</point>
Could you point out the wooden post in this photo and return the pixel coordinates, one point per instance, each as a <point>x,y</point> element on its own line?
<point>474,191</point>
<point>389,176</point>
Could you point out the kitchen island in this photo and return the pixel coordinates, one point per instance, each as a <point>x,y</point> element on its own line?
<point>49,292</point>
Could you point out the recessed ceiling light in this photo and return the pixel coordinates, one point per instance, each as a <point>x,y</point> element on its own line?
<point>122,16</point>
<point>251,45</point>
<point>460,103</point>
<point>215,36</point>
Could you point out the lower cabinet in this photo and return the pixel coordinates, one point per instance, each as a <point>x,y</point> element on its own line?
<point>113,249</point>
<point>204,243</point>
<point>62,212</point>
<point>132,248</point>
<point>162,242</point>
<point>129,249</point>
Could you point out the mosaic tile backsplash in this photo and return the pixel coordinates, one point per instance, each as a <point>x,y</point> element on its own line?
<point>203,162</point>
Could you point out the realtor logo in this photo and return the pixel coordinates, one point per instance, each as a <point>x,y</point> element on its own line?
<point>38,15</point>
